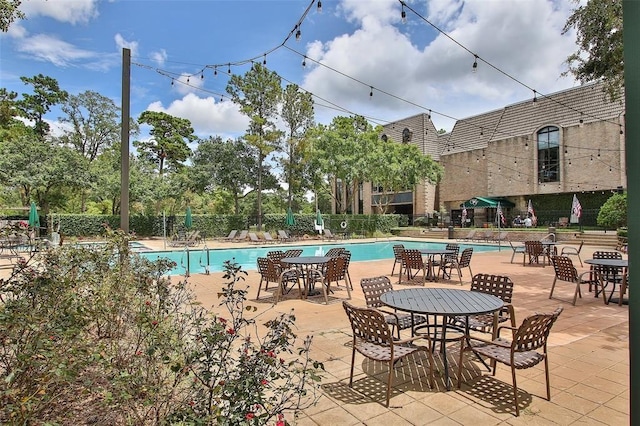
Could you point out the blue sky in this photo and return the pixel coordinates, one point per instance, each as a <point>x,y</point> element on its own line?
<point>411,66</point>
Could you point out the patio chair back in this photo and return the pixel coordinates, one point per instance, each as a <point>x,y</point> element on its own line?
<point>397,256</point>
<point>335,251</point>
<point>292,253</point>
<point>565,271</point>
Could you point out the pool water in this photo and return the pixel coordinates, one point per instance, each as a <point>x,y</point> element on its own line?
<point>199,261</point>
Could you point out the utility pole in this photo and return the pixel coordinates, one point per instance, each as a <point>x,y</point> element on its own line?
<point>124,140</point>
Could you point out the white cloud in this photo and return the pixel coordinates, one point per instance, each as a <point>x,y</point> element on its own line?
<point>51,49</point>
<point>73,12</point>
<point>122,43</point>
<point>159,57</point>
<point>187,83</point>
<point>522,39</point>
<point>207,116</point>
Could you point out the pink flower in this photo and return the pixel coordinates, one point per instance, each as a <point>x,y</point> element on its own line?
<point>231,331</point>
<point>249,416</point>
<point>264,382</point>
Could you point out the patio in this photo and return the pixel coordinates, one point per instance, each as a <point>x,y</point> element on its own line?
<point>588,355</point>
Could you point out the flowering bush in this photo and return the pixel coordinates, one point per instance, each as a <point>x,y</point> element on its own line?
<point>100,335</point>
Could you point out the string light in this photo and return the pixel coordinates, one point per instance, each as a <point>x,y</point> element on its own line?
<point>535,97</point>
<point>229,69</point>
<point>319,6</point>
<point>304,62</point>
<point>403,14</point>
<point>215,71</point>
<point>474,67</point>
<point>298,33</point>
<point>371,92</point>
<point>202,76</point>
<point>264,61</point>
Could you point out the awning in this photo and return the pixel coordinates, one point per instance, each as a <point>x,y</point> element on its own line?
<point>485,202</point>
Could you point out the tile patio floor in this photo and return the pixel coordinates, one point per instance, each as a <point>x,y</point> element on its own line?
<point>588,355</point>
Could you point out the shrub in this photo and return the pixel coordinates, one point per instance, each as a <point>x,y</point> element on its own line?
<point>613,213</point>
<point>100,335</point>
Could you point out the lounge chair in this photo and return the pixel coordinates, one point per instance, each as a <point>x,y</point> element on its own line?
<point>241,237</point>
<point>502,236</point>
<point>193,238</point>
<point>230,237</point>
<point>268,238</point>
<point>516,249</point>
<point>469,237</point>
<point>253,238</point>
<point>282,236</point>
<point>328,235</point>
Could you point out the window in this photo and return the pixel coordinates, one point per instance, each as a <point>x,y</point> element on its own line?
<point>549,154</point>
<point>407,134</point>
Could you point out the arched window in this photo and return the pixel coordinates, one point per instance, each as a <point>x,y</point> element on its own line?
<point>407,134</point>
<point>549,154</point>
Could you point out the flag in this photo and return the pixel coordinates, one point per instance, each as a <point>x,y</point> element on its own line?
<point>532,214</point>
<point>576,207</point>
<point>500,215</point>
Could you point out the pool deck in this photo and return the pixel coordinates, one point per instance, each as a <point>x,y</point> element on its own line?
<point>588,354</point>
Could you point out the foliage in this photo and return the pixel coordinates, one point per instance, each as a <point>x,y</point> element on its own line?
<point>33,107</point>
<point>600,53</point>
<point>258,93</point>
<point>613,213</point>
<point>9,12</point>
<point>297,113</point>
<point>169,138</point>
<point>99,335</point>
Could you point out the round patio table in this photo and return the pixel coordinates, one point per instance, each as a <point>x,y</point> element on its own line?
<point>431,253</point>
<point>445,302</point>
<point>614,263</point>
<point>305,264</point>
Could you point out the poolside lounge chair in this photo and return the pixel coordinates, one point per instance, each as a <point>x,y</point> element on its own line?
<point>469,237</point>
<point>241,237</point>
<point>231,236</point>
<point>268,238</point>
<point>283,237</point>
<point>328,235</point>
<point>193,238</point>
<point>253,238</point>
<point>502,236</point>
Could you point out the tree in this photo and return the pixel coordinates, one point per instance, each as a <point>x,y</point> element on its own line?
<point>600,53</point>
<point>94,121</point>
<point>9,12</point>
<point>396,167</point>
<point>258,93</point>
<point>8,108</point>
<point>169,140</point>
<point>613,213</point>
<point>230,165</point>
<point>39,170</point>
<point>46,94</point>
<point>339,150</point>
<point>297,113</point>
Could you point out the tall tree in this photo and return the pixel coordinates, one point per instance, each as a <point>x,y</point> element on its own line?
<point>46,93</point>
<point>258,93</point>
<point>94,121</point>
<point>8,108</point>
<point>297,113</point>
<point>230,165</point>
<point>600,49</point>
<point>169,140</point>
<point>9,12</point>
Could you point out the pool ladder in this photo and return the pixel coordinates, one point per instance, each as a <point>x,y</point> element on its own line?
<point>185,261</point>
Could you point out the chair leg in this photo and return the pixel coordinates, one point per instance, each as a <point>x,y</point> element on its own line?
<point>577,292</point>
<point>546,374</point>
<point>389,380</point>
<point>553,286</point>
<point>462,349</point>
<point>515,390</point>
<point>353,362</point>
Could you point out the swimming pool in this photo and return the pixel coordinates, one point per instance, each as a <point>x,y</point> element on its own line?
<point>199,261</point>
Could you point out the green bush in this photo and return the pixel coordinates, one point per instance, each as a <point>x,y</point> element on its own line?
<point>613,213</point>
<point>99,335</point>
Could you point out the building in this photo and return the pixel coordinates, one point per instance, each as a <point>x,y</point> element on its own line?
<point>563,143</point>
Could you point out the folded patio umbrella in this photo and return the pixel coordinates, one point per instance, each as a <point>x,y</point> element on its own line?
<point>319,225</point>
<point>188,221</point>
<point>290,220</point>
<point>34,218</point>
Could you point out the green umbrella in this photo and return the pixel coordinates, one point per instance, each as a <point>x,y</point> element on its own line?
<point>290,220</point>
<point>34,219</point>
<point>187,218</point>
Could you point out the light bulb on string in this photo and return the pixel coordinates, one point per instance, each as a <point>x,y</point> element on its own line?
<point>319,6</point>
<point>598,153</point>
<point>298,33</point>
<point>429,115</point>
<point>535,98</point>
<point>403,15</point>
<point>215,71</point>
<point>229,69</point>
<point>371,92</point>
<point>202,76</point>
<point>304,62</point>
<point>474,67</point>
<point>264,60</point>
<point>187,80</point>
<point>526,144</point>
<point>172,81</point>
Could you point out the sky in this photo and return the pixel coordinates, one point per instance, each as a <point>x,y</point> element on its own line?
<point>360,57</point>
